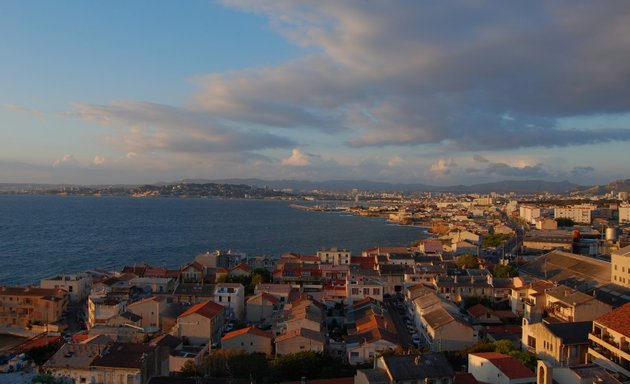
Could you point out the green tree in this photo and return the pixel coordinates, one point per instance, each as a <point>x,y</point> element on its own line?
<point>468,261</point>
<point>504,271</point>
<point>565,222</point>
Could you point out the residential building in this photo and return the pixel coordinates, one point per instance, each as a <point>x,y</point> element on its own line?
<point>202,323</point>
<point>232,297</point>
<point>250,340</point>
<point>334,256</point>
<point>359,290</point>
<point>620,266</point>
<point>529,213</point>
<point>546,224</point>
<point>577,213</point>
<point>121,363</point>
<point>279,291</point>
<point>624,214</point>
<point>300,340</point>
<point>561,344</point>
<point>610,341</point>
<point>445,332</point>
<point>24,306</point>
<point>77,285</point>
<point>151,311</point>
<point>409,369</point>
<point>261,307</point>
<point>568,304</point>
<point>582,374</point>
<point>497,368</point>
<point>363,346</point>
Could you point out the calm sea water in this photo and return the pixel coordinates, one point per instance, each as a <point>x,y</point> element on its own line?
<point>44,235</point>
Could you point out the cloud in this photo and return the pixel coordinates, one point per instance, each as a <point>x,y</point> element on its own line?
<point>149,127</point>
<point>395,161</point>
<point>98,160</point>
<point>441,73</point>
<point>579,171</point>
<point>480,159</point>
<point>297,159</point>
<point>66,160</point>
<point>443,166</point>
<point>525,171</point>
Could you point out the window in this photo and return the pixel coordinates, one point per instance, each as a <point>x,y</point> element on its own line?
<point>531,342</point>
<point>355,291</point>
<point>70,288</point>
<point>615,267</point>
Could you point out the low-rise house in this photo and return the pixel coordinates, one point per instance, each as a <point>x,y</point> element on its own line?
<point>157,285</point>
<point>561,344</point>
<point>122,363</point>
<point>232,297</point>
<point>334,256</point>
<point>250,340</point>
<point>279,291</point>
<point>610,341</point>
<point>480,314</point>
<point>356,291</point>
<point>193,293</point>
<point>445,332</point>
<point>77,285</point>
<point>261,307</point>
<point>391,369</point>
<point>583,374</point>
<point>300,340</point>
<point>193,272</point>
<point>202,323</point>
<point>366,345</point>
<point>150,311</point>
<point>497,368</point>
<point>240,270</point>
<point>567,304</point>
<point>185,354</point>
<point>105,310</point>
<point>24,306</point>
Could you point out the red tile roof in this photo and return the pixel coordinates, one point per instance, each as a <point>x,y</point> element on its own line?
<point>618,320</point>
<point>249,330</point>
<point>510,366</point>
<point>207,309</point>
<point>479,310</point>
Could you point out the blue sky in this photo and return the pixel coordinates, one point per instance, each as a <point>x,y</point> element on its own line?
<point>435,92</point>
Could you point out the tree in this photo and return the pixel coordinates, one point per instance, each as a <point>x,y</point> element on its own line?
<point>565,222</point>
<point>46,378</point>
<point>190,369</point>
<point>504,271</point>
<point>468,261</point>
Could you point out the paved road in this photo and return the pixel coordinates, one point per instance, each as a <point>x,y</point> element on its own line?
<point>403,333</point>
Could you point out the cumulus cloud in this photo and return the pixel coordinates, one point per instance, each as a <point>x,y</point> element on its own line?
<point>66,160</point>
<point>436,72</point>
<point>443,166</point>
<point>98,160</point>
<point>297,159</point>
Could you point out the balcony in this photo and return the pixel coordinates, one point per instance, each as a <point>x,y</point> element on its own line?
<point>609,348</point>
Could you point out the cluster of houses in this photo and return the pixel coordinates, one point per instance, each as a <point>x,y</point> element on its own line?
<point>570,310</point>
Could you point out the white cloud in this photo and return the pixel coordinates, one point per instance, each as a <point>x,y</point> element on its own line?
<point>66,160</point>
<point>297,159</point>
<point>98,160</point>
<point>443,166</point>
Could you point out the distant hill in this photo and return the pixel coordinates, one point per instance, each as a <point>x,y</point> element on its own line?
<point>621,185</point>
<point>518,186</point>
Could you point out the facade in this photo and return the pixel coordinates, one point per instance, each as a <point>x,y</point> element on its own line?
<point>356,291</point>
<point>568,304</point>
<point>202,323</point>
<point>22,307</point>
<point>364,346</point>
<point>610,341</point>
<point>260,307</point>
<point>445,333</point>
<point>577,213</point>
<point>620,267</point>
<point>232,297</point>
<point>560,344</point>
<point>250,340</point>
<point>624,214</point>
<point>300,340</point>
<point>546,224</point>
<point>334,256</point>
<point>77,285</point>
<point>529,213</point>
<point>151,311</point>
<point>497,368</point>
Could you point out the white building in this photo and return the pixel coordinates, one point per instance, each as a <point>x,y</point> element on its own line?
<point>624,214</point>
<point>334,256</point>
<point>77,285</point>
<point>529,213</point>
<point>497,368</point>
<point>577,213</point>
<point>232,297</point>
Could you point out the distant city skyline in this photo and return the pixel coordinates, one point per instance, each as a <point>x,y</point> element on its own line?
<point>440,93</point>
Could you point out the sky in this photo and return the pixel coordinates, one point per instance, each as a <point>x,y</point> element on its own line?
<point>410,91</point>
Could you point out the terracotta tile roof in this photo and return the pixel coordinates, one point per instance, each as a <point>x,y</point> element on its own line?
<point>249,330</point>
<point>272,299</point>
<point>618,320</point>
<point>479,310</point>
<point>207,309</point>
<point>465,378</point>
<point>304,332</point>
<point>510,366</point>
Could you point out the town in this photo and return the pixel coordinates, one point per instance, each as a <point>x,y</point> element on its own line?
<point>508,289</point>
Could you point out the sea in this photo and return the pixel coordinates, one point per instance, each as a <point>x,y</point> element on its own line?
<point>41,236</point>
